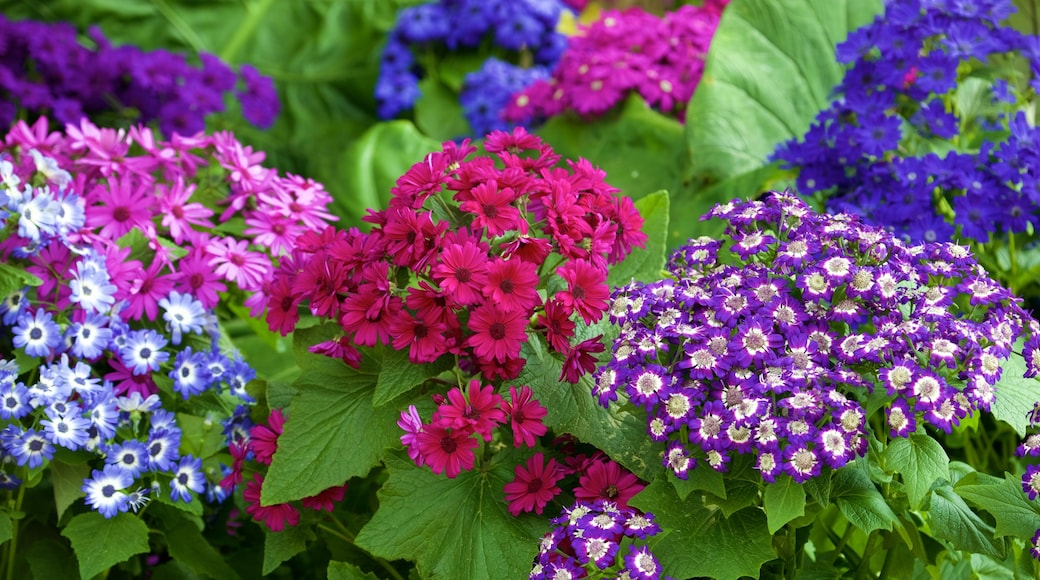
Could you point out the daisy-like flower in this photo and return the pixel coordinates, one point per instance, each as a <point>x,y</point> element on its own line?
<point>678,460</point>
<point>412,425</point>
<point>525,416</point>
<point>801,463</point>
<point>190,374</point>
<point>263,439</point>
<point>446,451</point>
<point>534,485</point>
<point>1031,481</point>
<point>188,478</point>
<point>326,499</point>
<point>233,261</point>
<point>493,209</point>
<point>607,480</point>
<point>37,333</point>
<point>126,205</point>
<point>105,490</point>
<point>14,400</point>
<point>131,456</point>
<point>68,431</point>
<point>196,277</point>
<point>163,449</point>
<point>1034,545</point>
<point>183,314</point>
<point>587,291</point>
<point>31,448</point>
<point>275,517</point>
<point>641,564</point>
<point>143,352</point>
<point>92,290</point>
<point>512,285</point>
<point>462,273</point>
<point>178,215</point>
<point>478,411</point>
<point>497,335</point>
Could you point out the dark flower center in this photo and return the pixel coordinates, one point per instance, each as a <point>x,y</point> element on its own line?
<point>497,331</point>
<point>108,491</point>
<point>121,213</point>
<point>506,286</point>
<point>463,275</point>
<point>448,445</point>
<point>36,333</point>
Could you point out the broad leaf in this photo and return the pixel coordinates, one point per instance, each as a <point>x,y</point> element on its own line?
<point>348,571</point>
<point>572,409</point>
<point>186,544</point>
<point>783,501</point>
<point>371,166</point>
<point>701,478</point>
<point>646,264</point>
<point>13,279</point>
<point>68,484</point>
<point>438,113</point>
<point>451,528</point>
<point>770,70</point>
<point>6,527</point>
<point>702,542</point>
<point>921,461</point>
<point>100,543</point>
<point>397,376</point>
<point>641,150</point>
<point>1012,511</point>
<point>951,519</point>
<point>280,546</point>
<point>859,500</point>
<point>50,558</point>
<point>1016,394</point>
<point>333,431</point>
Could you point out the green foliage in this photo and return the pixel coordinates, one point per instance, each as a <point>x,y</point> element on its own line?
<point>186,544</point>
<point>1016,394</point>
<point>783,501</point>
<point>770,70</point>
<point>397,376</point>
<point>1012,511</point>
<point>921,461</point>
<point>100,543</point>
<point>951,519</point>
<point>701,541</point>
<point>13,279</point>
<point>348,571</point>
<point>646,264</point>
<point>452,528</point>
<point>6,527</point>
<point>859,500</point>
<point>67,480</point>
<point>438,112</point>
<point>280,546</point>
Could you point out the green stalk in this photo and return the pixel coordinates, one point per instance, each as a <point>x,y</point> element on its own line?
<point>180,25</point>
<point>344,534</point>
<point>254,14</point>
<point>12,546</point>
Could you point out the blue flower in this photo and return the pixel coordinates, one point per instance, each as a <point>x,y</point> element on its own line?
<point>105,490</point>
<point>38,334</point>
<point>190,374</point>
<point>68,431</point>
<point>92,290</point>
<point>187,479</point>
<point>104,415</point>
<point>162,449</point>
<point>131,456</point>
<point>14,400</point>
<point>31,448</point>
<point>143,352</point>
<point>182,313</point>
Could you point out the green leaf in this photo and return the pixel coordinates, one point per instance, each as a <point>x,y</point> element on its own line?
<point>641,150</point>
<point>702,478</point>
<point>13,279</point>
<point>332,431</point>
<point>451,528</point>
<point>397,376</point>
<point>700,541</point>
<point>1016,394</point>
<point>68,484</point>
<point>200,437</point>
<point>646,264</point>
<point>770,70</point>
<point>783,501</point>
<point>859,500</point>
<point>348,571</point>
<point>438,113</point>
<point>951,519</point>
<point>371,166</point>
<point>186,544</point>
<point>819,487</point>
<point>921,461</point>
<point>1012,511</point>
<point>50,558</point>
<point>100,543</point>
<point>572,409</point>
<point>280,546</point>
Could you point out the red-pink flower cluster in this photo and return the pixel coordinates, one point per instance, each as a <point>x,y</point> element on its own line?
<point>661,58</point>
<point>170,191</point>
<point>470,251</point>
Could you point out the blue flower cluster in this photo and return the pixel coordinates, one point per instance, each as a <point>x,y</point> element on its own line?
<point>510,26</point>
<point>44,70</point>
<point>487,91</point>
<point>62,335</point>
<point>920,134</point>
<point>767,345</point>
<point>588,538</point>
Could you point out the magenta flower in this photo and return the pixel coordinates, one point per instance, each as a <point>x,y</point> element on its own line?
<point>234,262</point>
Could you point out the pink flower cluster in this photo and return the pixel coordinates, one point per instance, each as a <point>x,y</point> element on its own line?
<point>661,58</point>
<point>170,191</point>
<point>469,254</point>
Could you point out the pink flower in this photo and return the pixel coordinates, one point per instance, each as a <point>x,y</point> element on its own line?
<point>525,414</point>
<point>196,277</point>
<point>178,215</point>
<point>587,290</point>
<point>447,451</point>
<point>275,517</point>
<point>126,205</point>
<point>412,425</point>
<point>326,499</point>
<point>462,273</point>
<point>512,285</point>
<point>607,480</point>
<point>235,263</point>
<point>479,410</point>
<point>273,231</point>
<point>145,290</point>
<point>533,486</point>
<point>580,359</point>
<point>493,209</point>
<point>263,439</point>
<point>496,334</point>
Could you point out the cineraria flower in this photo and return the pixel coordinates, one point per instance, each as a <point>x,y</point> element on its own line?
<point>326,499</point>
<point>143,352</point>
<point>105,490</point>
<point>478,411</point>
<point>445,451</point>
<point>182,313</point>
<point>263,439</point>
<point>1031,481</point>
<point>534,485</point>
<point>38,334</point>
<point>784,389</point>
<point>187,478</point>
<point>608,481</point>
<point>131,456</point>
<point>68,431</point>
<point>276,516</point>
<point>31,448</point>
<point>525,415</point>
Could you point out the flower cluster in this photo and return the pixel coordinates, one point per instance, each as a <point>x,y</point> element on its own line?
<point>525,27</point>
<point>595,539</point>
<point>918,141</point>
<point>768,346</point>
<point>486,92</point>
<point>660,58</point>
<point>44,70</point>
<point>116,332</point>
<point>466,259</point>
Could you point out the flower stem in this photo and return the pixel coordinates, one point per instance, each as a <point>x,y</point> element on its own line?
<point>347,536</point>
<point>12,546</point>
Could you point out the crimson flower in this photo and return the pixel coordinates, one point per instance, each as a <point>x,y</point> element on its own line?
<point>462,273</point>
<point>273,516</point>
<point>493,209</point>
<point>587,290</point>
<point>264,439</point>
<point>607,480</point>
<point>580,359</point>
<point>325,500</point>
<point>446,451</point>
<point>478,411</point>
<point>496,334</point>
<point>534,486</point>
<point>525,413</point>
<point>512,285</point>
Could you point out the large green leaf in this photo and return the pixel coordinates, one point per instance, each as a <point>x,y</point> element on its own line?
<point>280,546</point>
<point>1016,394</point>
<point>333,431</point>
<point>859,500</point>
<point>13,279</point>
<point>451,528</point>
<point>371,166</point>
<point>1012,511</point>
<point>100,543</point>
<point>348,571</point>
<point>438,112</point>
<point>68,484</point>
<point>398,376</point>
<point>951,519</point>
<point>700,541</point>
<point>572,409</point>
<point>770,70</point>
<point>641,150</point>
<point>921,461</point>
<point>783,501</point>
<point>646,264</point>
<point>186,544</point>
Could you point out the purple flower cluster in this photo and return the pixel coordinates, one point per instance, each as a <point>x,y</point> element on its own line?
<point>906,142</point>
<point>45,71</point>
<point>588,539</point>
<point>661,59</point>
<point>769,345</point>
<point>486,92</point>
<point>511,26</point>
